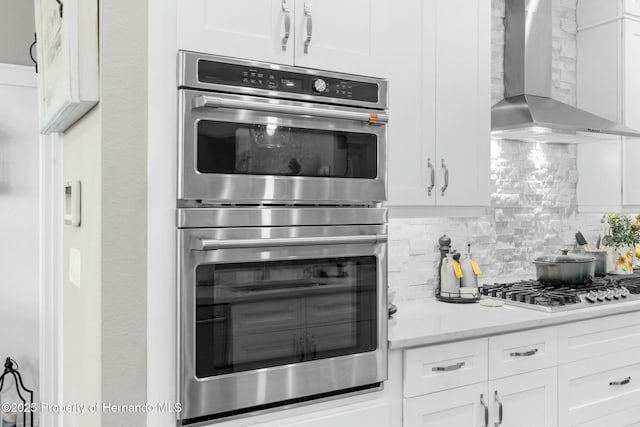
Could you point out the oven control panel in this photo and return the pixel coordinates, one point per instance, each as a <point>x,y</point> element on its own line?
<point>280,80</point>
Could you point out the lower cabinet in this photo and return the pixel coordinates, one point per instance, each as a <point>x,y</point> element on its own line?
<point>464,406</point>
<point>584,373</point>
<point>525,400</point>
<point>596,391</point>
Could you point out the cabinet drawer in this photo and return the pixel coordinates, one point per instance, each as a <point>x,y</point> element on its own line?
<point>520,352</point>
<point>607,335</point>
<point>441,367</point>
<point>628,418</point>
<point>598,387</point>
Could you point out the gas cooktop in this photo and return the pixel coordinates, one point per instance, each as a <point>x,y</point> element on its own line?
<point>553,298</point>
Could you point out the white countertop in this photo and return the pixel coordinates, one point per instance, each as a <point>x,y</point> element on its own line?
<point>429,321</point>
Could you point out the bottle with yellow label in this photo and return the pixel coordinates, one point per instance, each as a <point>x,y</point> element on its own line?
<point>450,275</point>
<point>470,271</point>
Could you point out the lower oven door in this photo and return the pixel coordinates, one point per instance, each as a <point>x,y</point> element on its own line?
<point>277,314</point>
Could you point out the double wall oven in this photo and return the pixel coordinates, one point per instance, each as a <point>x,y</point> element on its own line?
<point>281,236</point>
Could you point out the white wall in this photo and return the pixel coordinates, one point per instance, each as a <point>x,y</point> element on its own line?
<point>104,315</point>
<point>19,219</point>
<point>17,25</point>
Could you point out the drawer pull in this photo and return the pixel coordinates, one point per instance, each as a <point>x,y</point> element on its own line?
<point>486,411</point>
<point>448,368</point>
<point>525,353</point>
<point>623,382</point>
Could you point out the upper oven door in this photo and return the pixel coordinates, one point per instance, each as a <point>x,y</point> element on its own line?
<point>250,150</point>
<point>273,314</point>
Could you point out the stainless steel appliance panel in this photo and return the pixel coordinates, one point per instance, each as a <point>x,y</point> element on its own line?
<point>238,390</point>
<point>277,217</point>
<point>188,77</point>
<point>362,179</point>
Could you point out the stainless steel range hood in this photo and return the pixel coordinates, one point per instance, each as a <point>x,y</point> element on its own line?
<point>528,112</point>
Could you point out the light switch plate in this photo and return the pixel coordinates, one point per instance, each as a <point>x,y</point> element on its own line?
<point>72,201</point>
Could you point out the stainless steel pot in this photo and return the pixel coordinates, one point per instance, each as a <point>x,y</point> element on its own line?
<point>565,269</point>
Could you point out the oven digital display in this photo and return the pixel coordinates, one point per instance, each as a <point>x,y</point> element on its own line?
<point>291,84</point>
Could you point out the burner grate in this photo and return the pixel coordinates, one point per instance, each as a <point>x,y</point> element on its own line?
<point>547,297</point>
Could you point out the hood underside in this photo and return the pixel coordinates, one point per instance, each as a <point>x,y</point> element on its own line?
<point>528,111</point>
<point>541,119</point>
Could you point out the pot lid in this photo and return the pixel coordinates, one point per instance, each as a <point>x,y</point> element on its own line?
<point>565,257</point>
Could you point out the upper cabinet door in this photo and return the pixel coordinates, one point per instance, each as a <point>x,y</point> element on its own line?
<point>631,63</point>
<point>631,110</point>
<point>412,82</point>
<point>240,28</point>
<point>463,102</point>
<point>338,35</point>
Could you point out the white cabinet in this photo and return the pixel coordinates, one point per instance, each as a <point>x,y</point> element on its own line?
<point>338,35</point>
<point>329,34</point>
<point>445,366</point>
<point>412,106</point>
<point>465,406</point>
<point>524,351</point>
<point>438,68</point>
<point>239,28</point>
<point>525,400</point>
<point>631,110</point>
<point>608,81</point>
<point>593,389</point>
<point>449,384</point>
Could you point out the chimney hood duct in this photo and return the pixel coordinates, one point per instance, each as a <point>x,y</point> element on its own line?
<point>528,112</point>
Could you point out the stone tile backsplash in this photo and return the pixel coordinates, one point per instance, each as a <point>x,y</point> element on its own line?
<point>533,207</point>
<point>533,212</point>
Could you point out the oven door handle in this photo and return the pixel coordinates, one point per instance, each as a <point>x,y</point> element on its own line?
<point>208,101</point>
<point>214,244</point>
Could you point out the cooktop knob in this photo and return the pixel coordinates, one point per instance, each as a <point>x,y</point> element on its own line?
<point>319,85</point>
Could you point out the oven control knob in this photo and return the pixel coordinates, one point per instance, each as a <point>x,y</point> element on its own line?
<point>319,86</point>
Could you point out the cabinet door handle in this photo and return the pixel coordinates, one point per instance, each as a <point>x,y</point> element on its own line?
<point>499,409</point>
<point>287,25</point>
<point>486,411</point>
<point>432,174</point>
<point>448,368</point>
<point>446,177</point>
<point>307,13</point>
<point>623,382</point>
<point>525,353</point>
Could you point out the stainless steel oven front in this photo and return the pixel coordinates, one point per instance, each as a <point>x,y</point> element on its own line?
<point>258,133</point>
<point>277,315</point>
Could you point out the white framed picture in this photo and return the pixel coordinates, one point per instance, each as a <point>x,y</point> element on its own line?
<point>68,61</point>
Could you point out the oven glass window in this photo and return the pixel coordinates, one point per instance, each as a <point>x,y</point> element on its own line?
<point>261,314</point>
<point>255,149</point>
